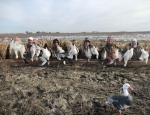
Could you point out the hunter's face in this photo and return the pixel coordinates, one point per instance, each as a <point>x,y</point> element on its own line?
<point>110,40</point>
<point>86,43</point>
<point>133,43</point>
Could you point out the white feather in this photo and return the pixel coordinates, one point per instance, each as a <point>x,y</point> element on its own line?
<point>91,51</point>
<point>144,56</point>
<point>127,56</point>
<point>17,47</point>
<point>73,51</point>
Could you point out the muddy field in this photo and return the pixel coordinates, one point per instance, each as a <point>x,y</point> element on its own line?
<point>71,89</point>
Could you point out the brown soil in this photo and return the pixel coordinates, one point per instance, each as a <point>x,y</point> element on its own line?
<point>71,90</point>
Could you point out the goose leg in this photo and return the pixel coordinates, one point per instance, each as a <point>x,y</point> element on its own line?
<point>89,59</point>
<point>43,60</point>
<point>125,62</point>
<point>76,57</point>
<point>119,112</point>
<point>48,62</point>
<point>97,56</point>
<point>16,53</point>
<point>115,62</point>
<point>146,60</point>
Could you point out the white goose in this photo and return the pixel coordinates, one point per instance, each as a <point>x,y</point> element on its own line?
<point>35,51</point>
<point>115,55</point>
<point>73,51</point>
<point>121,101</point>
<point>17,47</point>
<point>91,51</point>
<point>127,56</point>
<point>61,54</point>
<point>103,55</point>
<point>45,55</point>
<point>144,56</point>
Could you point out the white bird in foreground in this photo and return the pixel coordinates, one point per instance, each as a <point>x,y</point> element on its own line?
<point>121,101</point>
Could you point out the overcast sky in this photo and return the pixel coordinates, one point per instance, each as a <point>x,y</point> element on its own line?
<point>74,15</point>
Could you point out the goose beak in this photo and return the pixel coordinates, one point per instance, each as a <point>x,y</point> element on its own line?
<point>130,88</point>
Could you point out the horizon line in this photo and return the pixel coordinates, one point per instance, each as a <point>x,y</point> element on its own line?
<point>43,32</point>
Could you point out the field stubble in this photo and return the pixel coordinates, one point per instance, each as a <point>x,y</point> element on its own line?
<point>71,90</point>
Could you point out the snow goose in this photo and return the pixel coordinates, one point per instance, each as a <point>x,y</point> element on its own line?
<point>121,101</point>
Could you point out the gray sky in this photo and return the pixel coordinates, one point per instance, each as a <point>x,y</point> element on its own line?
<point>74,15</point>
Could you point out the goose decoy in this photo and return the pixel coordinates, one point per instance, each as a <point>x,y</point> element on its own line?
<point>121,101</point>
